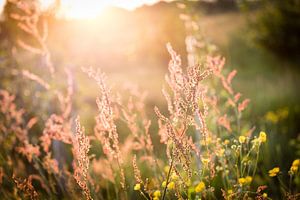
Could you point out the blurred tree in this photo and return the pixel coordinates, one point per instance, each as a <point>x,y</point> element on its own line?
<point>14,58</point>
<point>277,27</point>
<point>8,62</point>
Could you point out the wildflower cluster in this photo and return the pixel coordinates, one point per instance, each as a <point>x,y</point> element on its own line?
<point>206,147</point>
<point>295,166</point>
<point>274,172</point>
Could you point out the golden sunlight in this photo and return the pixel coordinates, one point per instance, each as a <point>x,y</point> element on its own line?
<point>82,10</point>
<point>88,9</point>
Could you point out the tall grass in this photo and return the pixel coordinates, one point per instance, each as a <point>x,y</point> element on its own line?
<point>207,149</point>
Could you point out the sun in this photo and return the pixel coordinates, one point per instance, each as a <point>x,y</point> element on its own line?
<point>89,9</point>
<point>82,9</point>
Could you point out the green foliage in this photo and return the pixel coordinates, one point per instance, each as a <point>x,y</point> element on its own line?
<point>277,27</point>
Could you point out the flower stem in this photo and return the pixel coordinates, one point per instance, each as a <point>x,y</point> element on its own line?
<point>256,161</point>
<point>168,177</point>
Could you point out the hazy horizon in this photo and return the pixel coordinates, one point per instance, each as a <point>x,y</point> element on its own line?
<point>74,8</point>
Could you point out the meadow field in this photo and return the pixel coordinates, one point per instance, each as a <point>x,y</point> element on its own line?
<point>150,99</point>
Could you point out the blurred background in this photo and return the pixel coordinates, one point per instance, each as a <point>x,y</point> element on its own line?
<point>126,40</point>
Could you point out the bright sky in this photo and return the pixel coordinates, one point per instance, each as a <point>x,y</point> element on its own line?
<point>91,8</point>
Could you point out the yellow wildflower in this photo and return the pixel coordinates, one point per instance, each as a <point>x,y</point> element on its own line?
<point>200,187</point>
<point>174,176</point>
<point>265,195</point>
<point>220,152</point>
<point>157,193</point>
<point>188,182</point>
<point>155,198</point>
<point>171,185</point>
<point>229,192</point>
<point>226,142</point>
<point>274,172</point>
<point>272,117</point>
<point>296,162</point>
<point>242,181</point>
<point>166,169</point>
<point>248,179</point>
<point>205,161</point>
<point>137,186</point>
<point>262,137</point>
<point>294,169</point>
<point>164,184</point>
<point>295,166</point>
<point>242,139</point>
<point>206,141</point>
<point>202,142</point>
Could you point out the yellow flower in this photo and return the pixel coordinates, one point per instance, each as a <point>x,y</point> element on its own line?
<point>137,186</point>
<point>155,198</point>
<point>205,161</point>
<point>295,166</point>
<point>202,142</point>
<point>174,176</point>
<point>220,152</point>
<point>274,172</point>
<point>229,192</point>
<point>157,193</point>
<point>294,169</point>
<point>296,162</point>
<point>242,181</point>
<point>272,117</point>
<point>200,187</point>
<point>242,139</point>
<point>166,169</point>
<point>188,182</point>
<point>226,142</point>
<point>262,137</point>
<point>248,179</point>
<point>206,141</point>
<point>171,185</point>
<point>265,195</point>
<point>164,184</point>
